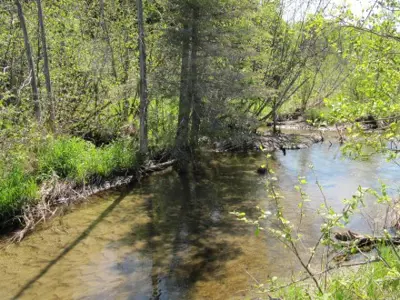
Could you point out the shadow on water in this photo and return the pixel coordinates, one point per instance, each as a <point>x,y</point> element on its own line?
<point>69,248</point>
<point>173,237</point>
<point>185,236</point>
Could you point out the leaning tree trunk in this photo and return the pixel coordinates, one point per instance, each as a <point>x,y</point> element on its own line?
<point>182,135</point>
<point>196,112</point>
<point>275,116</point>
<point>28,49</point>
<point>46,70</point>
<point>143,82</point>
<point>126,104</point>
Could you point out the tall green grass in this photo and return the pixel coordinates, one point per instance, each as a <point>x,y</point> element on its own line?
<point>380,280</point>
<point>16,187</point>
<point>69,158</point>
<point>78,160</point>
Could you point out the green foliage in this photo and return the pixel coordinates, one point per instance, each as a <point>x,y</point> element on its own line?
<point>317,117</point>
<point>78,160</point>
<point>371,281</point>
<point>68,158</point>
<point>16,188</point>
<point>117,157</point>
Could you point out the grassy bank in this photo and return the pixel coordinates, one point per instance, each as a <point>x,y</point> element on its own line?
<point>65,158</point>
<point>374,280</point>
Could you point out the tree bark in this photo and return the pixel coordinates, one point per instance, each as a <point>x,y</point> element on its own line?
<point>28,49</point>
<point>143,81</point>
<point>46,70</point>
<point>196,111</point>
<point>103,25</point>
<point>126,104</point>
<point>274,116</point>
<point>182,135</point>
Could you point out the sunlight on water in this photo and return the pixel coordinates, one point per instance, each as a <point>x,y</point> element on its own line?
<point>172,237</point>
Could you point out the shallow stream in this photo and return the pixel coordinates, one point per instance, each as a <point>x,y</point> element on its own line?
<point>172,237</point>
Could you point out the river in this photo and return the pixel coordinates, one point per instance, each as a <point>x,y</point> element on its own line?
<point>172,237</point>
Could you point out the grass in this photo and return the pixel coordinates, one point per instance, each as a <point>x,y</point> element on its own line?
<point>380,280</point>
<point>69,158</point>
<point>16,188</point>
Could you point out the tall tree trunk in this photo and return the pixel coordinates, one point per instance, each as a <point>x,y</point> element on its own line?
<point>143,81</point>
<point>126,104</point>
<point>182,135</point>
<point>103,25</point>
<point>46,69</point>
<point>28,49</point>
<point>196,112</point>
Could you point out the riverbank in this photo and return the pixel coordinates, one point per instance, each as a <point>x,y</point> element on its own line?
<point>41,181</point>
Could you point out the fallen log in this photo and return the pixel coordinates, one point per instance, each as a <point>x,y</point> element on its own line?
<point>350,238</point>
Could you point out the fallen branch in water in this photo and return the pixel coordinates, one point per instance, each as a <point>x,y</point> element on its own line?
<point>352,238</point>
<point>353,243</point>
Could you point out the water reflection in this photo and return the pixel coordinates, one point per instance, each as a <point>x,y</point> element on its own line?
<point>172,237</point>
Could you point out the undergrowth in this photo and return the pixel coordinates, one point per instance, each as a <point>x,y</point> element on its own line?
<point>68,158</point>
<point>379,280</point>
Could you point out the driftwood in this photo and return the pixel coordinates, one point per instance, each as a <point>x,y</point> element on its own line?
<point>269,142</point>
<point>151,167</point>
<point>352,239</point>
<point>56,195</point>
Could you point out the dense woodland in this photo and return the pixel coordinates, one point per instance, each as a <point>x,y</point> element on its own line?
<point>85,85</point>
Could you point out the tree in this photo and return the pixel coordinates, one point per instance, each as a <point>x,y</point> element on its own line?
<point>28,49</point>
<point>194,93</point>
<point>143,81</point>
<point>182,134</point>
<point>46,68</point>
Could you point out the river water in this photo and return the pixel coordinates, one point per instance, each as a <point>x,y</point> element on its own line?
<point>172,237</point>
